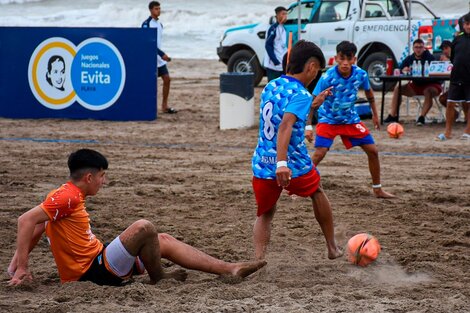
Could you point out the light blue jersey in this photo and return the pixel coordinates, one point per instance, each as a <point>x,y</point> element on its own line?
<point>285,94</point>
<point>339,108</point>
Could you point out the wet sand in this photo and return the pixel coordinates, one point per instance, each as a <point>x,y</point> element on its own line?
<point>194,181</point>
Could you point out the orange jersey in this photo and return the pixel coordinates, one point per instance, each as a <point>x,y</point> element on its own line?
<point>72,242</point>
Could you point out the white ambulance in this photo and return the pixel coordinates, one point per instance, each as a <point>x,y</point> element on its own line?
<point>381,29</point>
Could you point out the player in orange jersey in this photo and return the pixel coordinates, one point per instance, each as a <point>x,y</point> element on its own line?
<point>79,255</point>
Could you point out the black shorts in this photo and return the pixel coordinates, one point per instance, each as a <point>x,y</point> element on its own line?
<point>99,274</point>
<point>459,92</point>
<point>163,70</point>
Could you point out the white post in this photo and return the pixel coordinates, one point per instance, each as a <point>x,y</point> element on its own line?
<point>409,27</point>
<point>299,23</point>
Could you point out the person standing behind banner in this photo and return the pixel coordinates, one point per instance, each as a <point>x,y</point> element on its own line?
<point>162,58</point>
<point>276,45</point>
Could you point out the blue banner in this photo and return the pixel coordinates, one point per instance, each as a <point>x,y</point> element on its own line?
<point>78,73</point>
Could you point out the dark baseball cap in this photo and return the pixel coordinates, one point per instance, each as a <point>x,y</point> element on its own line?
<point>445,43</point>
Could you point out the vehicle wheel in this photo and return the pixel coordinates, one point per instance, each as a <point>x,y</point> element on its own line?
<point>244,61</point>
<point>375,66</point>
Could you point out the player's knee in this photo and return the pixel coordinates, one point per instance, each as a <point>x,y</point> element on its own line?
<point>318,155</point>
<point>145,227</point>
<point>166,78</point>
<point>373,153</point>
<point>371,150</point>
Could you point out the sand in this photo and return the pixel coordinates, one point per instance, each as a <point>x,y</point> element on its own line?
<point>194,181</point>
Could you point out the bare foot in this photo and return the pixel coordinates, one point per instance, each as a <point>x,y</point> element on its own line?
<point>379,193</point>
<point>247,268</point>
<point>335,253</point>
<point>178,274</point>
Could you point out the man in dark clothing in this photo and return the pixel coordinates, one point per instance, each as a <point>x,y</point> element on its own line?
<point>415,87</point>
<point>459,89</point>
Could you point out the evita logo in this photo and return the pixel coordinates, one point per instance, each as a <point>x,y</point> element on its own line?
<point>92,74</point>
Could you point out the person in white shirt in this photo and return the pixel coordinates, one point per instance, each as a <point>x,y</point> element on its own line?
<point>162,58</point>
<point>276,45</point>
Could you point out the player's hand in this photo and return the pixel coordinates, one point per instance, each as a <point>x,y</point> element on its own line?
<point>309,135</point>
<point>166,58</point>
<point>375,120</point>
<point>283,176</point>
<point>321,97</point>
<point>22,276</point>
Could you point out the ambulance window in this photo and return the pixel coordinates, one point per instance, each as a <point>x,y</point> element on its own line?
<point>393,8</point>
<point>332,11</point>
<point>305,13</point>
<point>374,11</point>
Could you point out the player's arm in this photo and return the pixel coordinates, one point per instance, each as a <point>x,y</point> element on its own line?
<point>29,232</point>
<point>269,44</point>
<point>283,173</point>
<point>163,55</point>
<point>375,117</point>
<point>317,101</point>
<point>308,126</point>
<point>38,231</point>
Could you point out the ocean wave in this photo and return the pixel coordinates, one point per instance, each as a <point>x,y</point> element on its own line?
<point>17,1</point>
<point>192,29</point>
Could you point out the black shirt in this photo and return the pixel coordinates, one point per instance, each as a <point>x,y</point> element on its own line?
<point>408,61</point>
<point>460,59</point>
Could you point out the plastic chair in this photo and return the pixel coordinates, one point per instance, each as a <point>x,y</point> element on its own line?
<point>419,101</point>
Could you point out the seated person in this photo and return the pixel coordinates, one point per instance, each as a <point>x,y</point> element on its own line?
<point>415,87</point>
<point>446,48</point>
<point>80,256</point>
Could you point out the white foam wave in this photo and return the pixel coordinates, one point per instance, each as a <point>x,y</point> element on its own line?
<point>192,29</point>
<point>17,1</point>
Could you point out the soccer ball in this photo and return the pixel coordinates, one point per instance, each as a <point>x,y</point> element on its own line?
<point>363,249</point>
<point>395,130</point>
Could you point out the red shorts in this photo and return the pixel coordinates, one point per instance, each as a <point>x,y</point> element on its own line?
<point>351,134</point>
<point>419,89</point>
<point>267,191</point>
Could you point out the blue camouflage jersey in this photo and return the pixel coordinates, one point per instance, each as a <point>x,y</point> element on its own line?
<point>284,94</point>
<point>339,108</point>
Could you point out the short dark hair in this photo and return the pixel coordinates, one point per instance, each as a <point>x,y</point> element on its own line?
<point>466,18</point>
<point>301,53</point>
<point>445,43</point>
<point>419,40</point>
<point>279,9</point>
<point>153,4</point>
<point>84,160</point>
<point>346,48</point>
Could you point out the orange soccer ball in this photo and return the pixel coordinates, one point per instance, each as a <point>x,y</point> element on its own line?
<point>395,130</point>
<point>363,249</point>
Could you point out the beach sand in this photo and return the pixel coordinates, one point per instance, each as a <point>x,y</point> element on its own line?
<point>194,181</point>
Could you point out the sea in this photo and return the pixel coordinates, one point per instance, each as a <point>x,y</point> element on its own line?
<point>192,28</point>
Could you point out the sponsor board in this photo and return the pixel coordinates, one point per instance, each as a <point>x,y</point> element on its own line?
<point>78,73</point>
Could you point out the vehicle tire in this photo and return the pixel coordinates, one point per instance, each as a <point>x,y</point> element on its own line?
<point>245,61</point>
<point>375,66</point>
